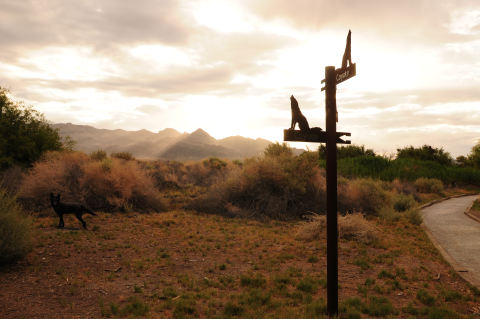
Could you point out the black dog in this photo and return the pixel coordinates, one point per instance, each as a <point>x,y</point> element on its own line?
<point>62,208</point>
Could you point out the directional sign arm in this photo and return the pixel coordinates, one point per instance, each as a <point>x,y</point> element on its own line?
<point>312,136</point>
<point>340,141</point>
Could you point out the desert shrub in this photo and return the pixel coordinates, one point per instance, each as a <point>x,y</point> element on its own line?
<point>237,162</point>
<point>175,174</point>
<point>429,185</point>
<point>365,195</point>
<point>106,164</point>
<point>351,227</point>
<point>414,216</point>
<point>106,185</point>
<point>387,213</point>
<point>406,188</point>
<point>128,156</point>
<point>276,185</point>
<point>214,162</point>
<point>12,178</point>
<point>98,155</point>
<point>403,202</point>
<point>277,149</point>
<point>15,229</point>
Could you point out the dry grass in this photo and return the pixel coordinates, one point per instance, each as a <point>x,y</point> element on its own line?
<point>351,227</point>
<point>186,264</point>
<point>103,185</point>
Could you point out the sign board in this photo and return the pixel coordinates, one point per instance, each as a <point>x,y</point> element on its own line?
<point>313,136</point>
<point>345,74</point>
<point>342,75</point>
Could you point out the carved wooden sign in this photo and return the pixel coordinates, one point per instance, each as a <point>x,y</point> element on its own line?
<point>312,136</point>
<point>345,74</point>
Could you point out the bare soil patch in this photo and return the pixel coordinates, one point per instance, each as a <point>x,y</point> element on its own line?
<point>184,264</point>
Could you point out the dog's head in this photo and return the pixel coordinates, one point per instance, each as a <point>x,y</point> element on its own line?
<point>55,200</point>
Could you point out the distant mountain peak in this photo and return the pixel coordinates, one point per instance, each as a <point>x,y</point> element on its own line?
<point>166,144</point>
<point>202,136</point>
<point>199,131</point>
<point>169,130</point>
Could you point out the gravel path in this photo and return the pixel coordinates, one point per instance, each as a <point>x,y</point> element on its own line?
<point>457,234</point>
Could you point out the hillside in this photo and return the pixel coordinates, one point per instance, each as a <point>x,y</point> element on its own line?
<point>166,144</point>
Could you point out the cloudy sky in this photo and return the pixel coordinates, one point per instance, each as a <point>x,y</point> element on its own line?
<point>229,67</point>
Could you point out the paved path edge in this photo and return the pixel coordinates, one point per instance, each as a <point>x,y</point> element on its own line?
<point>467,212</point>
<point>468,277</point>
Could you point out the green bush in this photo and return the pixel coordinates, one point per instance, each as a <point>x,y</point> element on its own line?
<point>429,185</point>
<point>405,169</point>
<point>15,229</point>
<point>403,202</point>
<point>388,214</point>
<point>237,162</point>
<point>214,162</point>
<point>414,216</point>
<point>98,155</point>
<point>128,156</point>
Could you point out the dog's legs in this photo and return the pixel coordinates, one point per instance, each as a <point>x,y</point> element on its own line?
<point>62,223</point>
<point>84,223</point>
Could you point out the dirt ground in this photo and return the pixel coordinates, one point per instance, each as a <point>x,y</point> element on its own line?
<point>183,264</point>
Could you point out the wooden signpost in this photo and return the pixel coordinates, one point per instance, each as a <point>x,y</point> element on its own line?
<point>331,137</point>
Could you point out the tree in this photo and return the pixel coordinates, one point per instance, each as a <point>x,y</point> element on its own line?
<point>474,156</point>
<point>426,153</point>
<point>25,134</point>
<point>462,161</point>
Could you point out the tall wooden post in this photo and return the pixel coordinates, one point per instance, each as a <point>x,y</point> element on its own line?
<point>331,137</point>
<point>332,239</point>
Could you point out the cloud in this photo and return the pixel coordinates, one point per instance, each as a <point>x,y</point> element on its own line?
<point>475,28</point>
<point>412,20</point>
<point>150,109</point>
<point>33,24</point>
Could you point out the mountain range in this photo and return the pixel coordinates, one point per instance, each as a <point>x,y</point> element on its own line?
<point>168,144</point>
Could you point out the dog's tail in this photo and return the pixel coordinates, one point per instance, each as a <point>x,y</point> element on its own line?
<point>88,210</point>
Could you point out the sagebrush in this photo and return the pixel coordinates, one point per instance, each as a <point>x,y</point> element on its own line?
<point>15,229</point>
<point>108,184</point>
<point>276,185</point>
<point>350,226</point>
